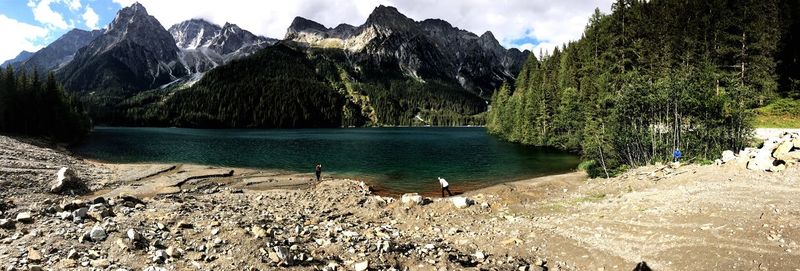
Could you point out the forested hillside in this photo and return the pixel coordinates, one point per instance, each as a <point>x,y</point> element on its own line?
<point>655,76</point>
<point>284,87</point>
<point>31,107</point>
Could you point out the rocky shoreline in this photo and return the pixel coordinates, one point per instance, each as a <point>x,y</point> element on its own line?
<point>188,217</point>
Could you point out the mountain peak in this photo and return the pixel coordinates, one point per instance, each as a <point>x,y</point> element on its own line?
<point>302,24</point>
<point>136,8</point>
<point>388,16</point>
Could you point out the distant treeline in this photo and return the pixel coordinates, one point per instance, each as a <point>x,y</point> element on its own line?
<point>33,107</point>
<point>652,77</point>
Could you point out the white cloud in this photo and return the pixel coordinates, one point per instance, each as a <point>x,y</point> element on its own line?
<point>90,18</point>
<point>45,15</point>
<point>18,36</point>
<point>550,22</point>
<point>73,5</point>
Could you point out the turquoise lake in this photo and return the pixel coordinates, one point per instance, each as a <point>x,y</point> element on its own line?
<point>394,159</point>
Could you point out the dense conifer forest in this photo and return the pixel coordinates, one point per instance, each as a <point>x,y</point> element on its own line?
<point>29,106</point>
<point>652,77</point>
<point>282,87</point>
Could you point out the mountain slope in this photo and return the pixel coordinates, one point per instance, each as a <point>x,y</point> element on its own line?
<point>428,49</point>
<point>286,87</point>
<point>60,52</point>
<point>22,56</point>
<point>205,45</point>
<point>134,54</point>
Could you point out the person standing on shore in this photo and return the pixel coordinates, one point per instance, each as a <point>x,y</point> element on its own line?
<point>676,155</point>
<point>318,171</point>
<point>445,187</point>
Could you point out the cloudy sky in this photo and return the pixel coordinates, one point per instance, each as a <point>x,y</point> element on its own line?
<point>529,24</point>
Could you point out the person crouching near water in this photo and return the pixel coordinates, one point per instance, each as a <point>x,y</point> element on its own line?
<point>445,186</point>
<point>318,171</point>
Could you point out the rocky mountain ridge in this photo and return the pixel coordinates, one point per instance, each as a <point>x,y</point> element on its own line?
<point>22,56</point>
<point>134,53</point>
<point>431,47</point>
<point>204,45</point>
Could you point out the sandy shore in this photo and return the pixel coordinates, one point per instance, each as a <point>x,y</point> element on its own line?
<point>690,218</point>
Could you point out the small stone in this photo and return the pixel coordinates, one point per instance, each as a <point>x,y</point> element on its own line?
<point>133,235</point>
<point>185,225</point>
<point>258,232</point>
<point>97,233</point>
<point>72,254</point>
<point>24,217</point>
<point>361,266</point>
<point>160,256</point>
<point>6,223</point>
<point>35,267</point>
<point>214,231</point>
<point>283,254</point>
<point>100,263</point>
<point>174,252</point>
<point>65,215</point>
<point>80,213</point>
<point>34,255</point>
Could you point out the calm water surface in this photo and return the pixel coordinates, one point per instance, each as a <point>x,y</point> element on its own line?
<point>395,159</point>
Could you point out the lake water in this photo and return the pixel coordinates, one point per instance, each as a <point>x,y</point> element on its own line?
<point>394,159</point>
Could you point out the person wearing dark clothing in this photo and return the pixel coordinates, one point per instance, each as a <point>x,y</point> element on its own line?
<point>445,187</point>
<point>318,171</point>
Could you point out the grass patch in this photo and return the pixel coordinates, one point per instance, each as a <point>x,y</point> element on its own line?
<point>585,165</point>
<point>781,113</point>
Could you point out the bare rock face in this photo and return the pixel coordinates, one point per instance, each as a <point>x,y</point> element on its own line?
<point>135,53</point>
<point>430,48</point>
<point>59,53</point>
<point>204,45</point>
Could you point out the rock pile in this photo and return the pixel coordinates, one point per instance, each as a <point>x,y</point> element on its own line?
<point>774,155</point>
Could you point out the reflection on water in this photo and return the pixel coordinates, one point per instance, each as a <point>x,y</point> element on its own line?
<point>396,159</point>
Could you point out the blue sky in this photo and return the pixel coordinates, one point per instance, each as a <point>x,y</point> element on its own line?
<point>32,24</point>
<point>537,25</point>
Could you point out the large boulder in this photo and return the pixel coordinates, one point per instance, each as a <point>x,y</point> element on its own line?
<point>728,156</point>
<point>412,199</point>
<point>65,180</point>
<point>796,142</point>
<point>790,157</point>
<point>783,148</point>
<point>763,157</point>
<point>461,202</point>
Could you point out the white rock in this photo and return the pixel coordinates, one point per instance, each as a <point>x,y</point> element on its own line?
<point>97,233</point>
<point>412,198</point>
<point>80,212</point>
<point>65,177</point>
<point>6,223</point>
<point>65,215</point>
<point>133,235</point>
<point>461,202</point>
<point>361,266</point>
<point>728,156</point>
<point>24,217</point>
<point>283,254</point>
